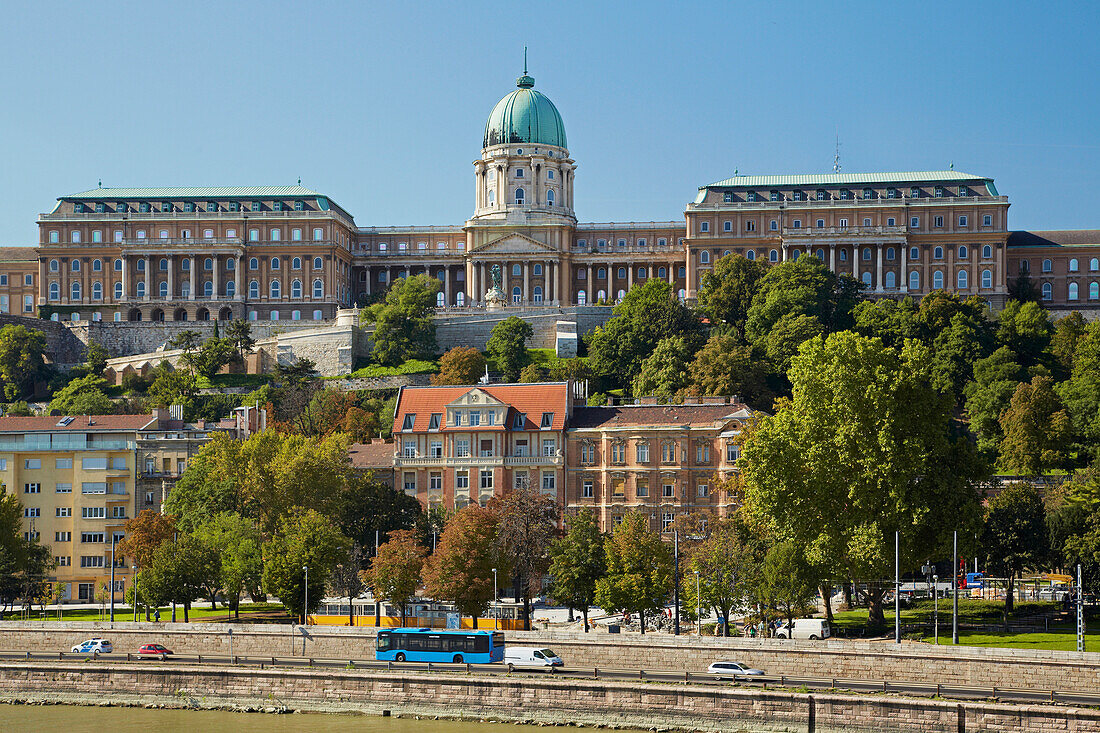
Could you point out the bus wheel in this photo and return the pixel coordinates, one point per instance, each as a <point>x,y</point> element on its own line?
<point>458,659</point>
<point>400,656</point>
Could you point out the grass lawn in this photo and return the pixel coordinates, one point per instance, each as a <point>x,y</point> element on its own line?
<point>203,612</point>
<point>232,380</point>
<point>1056,640</point>
<point>970,612</point>
<point>412,366</point>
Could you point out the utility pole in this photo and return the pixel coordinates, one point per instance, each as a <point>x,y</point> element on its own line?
<point>305,609</point>
<point>114,539</point>
<point>936,607</point>
<point>676,580</point>
<point>377,600</point>
<point>897,587</point>
<point>133,574</point>
<point>955,590</point>
<point>1080,614</point>
<point>698,607</point>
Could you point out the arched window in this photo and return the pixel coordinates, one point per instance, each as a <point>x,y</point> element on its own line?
<point>76,265</point>
<point>1072,264</point>
<point>794,255</point>
<point>1048,291</point>
<point>621,273</point>
<point>821,255</point>
<point>621,295</point>
<point>843,254</point>
<point>254,289</point>
<point>751,254</point>
<point>55,291</point>
<point>867,279</point>
<point>889,253</point>
<point>580,297</point>
<point>537,269</point>
<point>118,291</point>
<point>937,253</point>
<point>866,254</point>
<point>492,198</point>
<point>163,264</point>
<point>1048,266</point>
<point>517,270</point>
<point>440,300</point>
<point>517,294</point>
<point>937,280</point>
<point>296,263</point>
<point>987,278</point>
<point>55,267</point>
<point>914,280</point>
<point>460,298</point>
<point>317,263</point>
<point>961,280</point>
<point>140,290</point>
<point>550,198</point>
<point>208,264</point>
<point>1094,264</point>
<point>601,274</point>
<point>773,255</point>
<point>275,263</point>
<point>662,273</point>
<point>963,253</point>
<point>537,294</point>
<point>276,289</point>
<point>1094,290</point>
<point>230,289</point>
<point>97,265</point>
<point>519,196</point>
<point>296,289</point>
<point>642,273</point>
<point>987,252</point>
<point>231,263</point>
<point>253,264</point>
<point>141,265</point>
<point>318,288</point>
<point>890,280</point>
<point>601,295</point>
<point>164,289</point>
<point>1072,292</point>
<point>97,291</point>
<point>914,253</point>
<point>273,316</point>
<point>207,289</point>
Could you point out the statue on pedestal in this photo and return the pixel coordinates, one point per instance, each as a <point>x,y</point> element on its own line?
<point>495,297</point>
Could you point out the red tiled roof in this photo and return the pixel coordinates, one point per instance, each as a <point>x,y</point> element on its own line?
<point>652,415</point>
<point>530,399</point>
<point>79,423</point>
<point>18,254</point>
<point>376,454</point>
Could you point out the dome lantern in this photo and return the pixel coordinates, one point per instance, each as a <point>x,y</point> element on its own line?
<point>525,116</point>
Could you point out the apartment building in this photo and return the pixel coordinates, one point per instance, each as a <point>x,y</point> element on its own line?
<point>459,445</point>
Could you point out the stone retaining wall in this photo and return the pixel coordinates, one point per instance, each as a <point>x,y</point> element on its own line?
<point>538,699</point>
<point>984,667</point>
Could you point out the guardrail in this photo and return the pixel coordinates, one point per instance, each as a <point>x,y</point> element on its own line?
<point>905,687</point>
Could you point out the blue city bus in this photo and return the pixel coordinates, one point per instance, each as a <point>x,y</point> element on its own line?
<point>439,645</point>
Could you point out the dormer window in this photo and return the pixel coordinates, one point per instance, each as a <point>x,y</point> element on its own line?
<point>845,194</point>
<point>964,191</point>
<point>277,206</point>
<point>256,206</point>
<point>774,196</point>
<point>100,208</point>
<point>234,205</point>
<point>189,206</point>
<point>409,421</point>
<point>752,196</point>
<point>520,421</point>
<point>212,206</point>
<point>122,207</point>
<point>547,420</point>
<point>727,197</point>
<point>914,192</point>
<point>166,206</point>
<point>868,193</point>
<point>939,192</point>
<point>78,208</point>
<point>891,193</point>
<point>797,195</point>
<point>299,205</point>
<point>822,194</point>
<point>434,420</point>
<point>143,207</point>
<point>475,418</point>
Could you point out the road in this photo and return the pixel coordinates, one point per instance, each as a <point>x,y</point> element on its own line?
<point>920,689</point>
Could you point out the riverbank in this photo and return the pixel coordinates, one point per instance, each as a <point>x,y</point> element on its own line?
<point>536,699</point>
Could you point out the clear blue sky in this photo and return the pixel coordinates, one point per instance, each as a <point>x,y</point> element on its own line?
<point>382,105</point>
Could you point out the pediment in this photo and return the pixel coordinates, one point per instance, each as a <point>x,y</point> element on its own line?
<point>514,243</point>
<point>476,396</point>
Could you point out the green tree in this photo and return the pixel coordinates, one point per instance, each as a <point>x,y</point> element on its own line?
<point>639,569</point>
<point>939,308</point>
<point>24,563</point>
<point>460,365</point>
<point>646,315</point>
<point>887,319</point>
<point>186,341</point>
<point>726,292</point>
<point>577,562</point>
<point>527,523</point>
<point>395,572</point>
<point>403,321</point>
<point>461,569</point>
<point>238,543</point>
<point>347,581</point>
<point>665,372</point>
<point>83,396</point>
<point>1073,522</point>
<point>955,349</point>
<point>787,335</point>
<point>1026,329</point>
<point>863,449</point>
<point>724,568</point>
<point>211,356</point>
<point>144,534</point>
<point>304,539</point>
<point>1014,537</point>
<point>1023,289</point>
<point>989,395</point>
<point>789,581</point>
<point>239,333</point>
<point>530,374</point>
<point>95,359</point>
<point>1081,393</point>
<point>171,387</point>
<point>725,367</point>
<point>575,369</point>
<point>508,346</point>
<point>22,361</point>
<point>1068,332</point>
<point>801,287</point>
<point>1036,428</point>
<point>367,508</point>
<point>178,572</point>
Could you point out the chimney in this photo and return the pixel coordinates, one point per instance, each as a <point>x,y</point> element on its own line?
<point>161,415</point>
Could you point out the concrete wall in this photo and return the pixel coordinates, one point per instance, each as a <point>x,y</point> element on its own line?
<point>64,346</point>
<point>140,337</point>
<point>473,328</point>
<point>985,667</point>
<point>539,699</point>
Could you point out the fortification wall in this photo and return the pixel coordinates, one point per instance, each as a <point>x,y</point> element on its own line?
<point>64,345</point>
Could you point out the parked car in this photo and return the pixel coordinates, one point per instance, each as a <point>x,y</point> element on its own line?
<point>805,628</point>
<point>148,651</point>
<point>530,656</point>
<point>732,670</point>
<point>93,646</point>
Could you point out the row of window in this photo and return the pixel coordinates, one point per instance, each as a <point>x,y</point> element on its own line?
<point>842,223</point>
<point>420,246</point>
<point>1073,291</point>
<point>621,273</point>
<point>520,197</point>
<point>28,279</point>
<point>640,242</point>
<point>890,253</point>
<point>548,482</point>
<point>274,290</point>
<point>641,489</point>
<point>486,448</point>
<point>1073,265</point>
<point>208,265</point>
<point>87,464</point>
<point>846,194</point>
<point>144,207</point>
<point>274,234</point>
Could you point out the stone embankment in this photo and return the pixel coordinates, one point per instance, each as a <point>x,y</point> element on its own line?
<point>538,699</point>
<point>841,659</point>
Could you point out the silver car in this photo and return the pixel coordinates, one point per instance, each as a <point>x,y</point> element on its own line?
<point>732,670</point>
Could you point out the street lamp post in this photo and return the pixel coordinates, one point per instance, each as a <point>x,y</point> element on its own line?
<point>698,607</point>
<point>114,539</point>
<point>676,581</point>
<point>955,589</point>
<point>133,573</point>
<point>496,607</point>
<point>936,606</point>
<point>305,608</point>
<point>897,587</point>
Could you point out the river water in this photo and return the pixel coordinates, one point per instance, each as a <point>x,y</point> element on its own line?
<point>78,719</point>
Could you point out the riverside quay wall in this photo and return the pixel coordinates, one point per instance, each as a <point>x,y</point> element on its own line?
<point>835,658</point>
<point>538,699</point>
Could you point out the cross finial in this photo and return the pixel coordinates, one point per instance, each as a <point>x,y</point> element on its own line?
<point>525,60</point>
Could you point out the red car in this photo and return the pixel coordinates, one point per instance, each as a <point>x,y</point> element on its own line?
<point>153,650</point>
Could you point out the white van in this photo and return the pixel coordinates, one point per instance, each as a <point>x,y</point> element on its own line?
<point>805,628</point>
<point>531,656</point>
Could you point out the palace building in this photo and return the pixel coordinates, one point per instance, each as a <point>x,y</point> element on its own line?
<point>291,253</point>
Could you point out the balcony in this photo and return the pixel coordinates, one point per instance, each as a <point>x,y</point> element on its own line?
<point>853,232</point>
<point>414,253</point>
<point>555,460</point>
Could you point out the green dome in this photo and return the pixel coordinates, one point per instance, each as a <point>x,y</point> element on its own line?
<point>525,116</point>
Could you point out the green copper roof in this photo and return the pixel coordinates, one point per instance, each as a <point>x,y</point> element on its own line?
<point>201,192</point>
<point>852,179</point>
<point>525,116</point>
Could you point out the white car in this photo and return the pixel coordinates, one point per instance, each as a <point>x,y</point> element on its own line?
<point>732,670</point>
<point>93,646</point>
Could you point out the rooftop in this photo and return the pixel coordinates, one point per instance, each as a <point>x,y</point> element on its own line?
<point>375,454</point>
<point>853,179</point>
<point>620,416</point>
<point>530,399</point>
<point>200,192</point>
<point>75,424</point>
<point>1058,238</point>
<point>18,254</point>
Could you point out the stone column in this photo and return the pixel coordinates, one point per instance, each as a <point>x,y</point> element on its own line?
<point>217,283</point>
<point>171,277</point>
<point>855,262</point>
<point>591,290</point>
<point>191,277</point>
<point>629,276</point>
<point>832,258</point>
<point>903,285</point>
<point>239,265</point>
<point>878,268</point>
<point>783,249</point>
<point>125,277</point>
<point>482,282</point>
<point>446,285</point>
<point>408,271</point>
<point>672,274</point>
<point>148,284</point>
<point>650,277</point>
